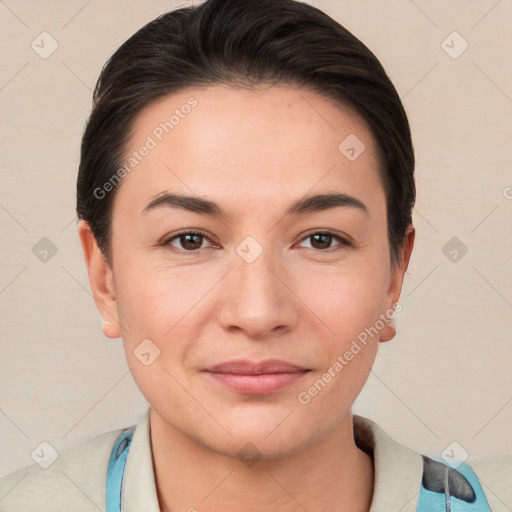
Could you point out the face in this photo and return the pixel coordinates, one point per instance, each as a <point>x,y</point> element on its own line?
<point>250,267</point>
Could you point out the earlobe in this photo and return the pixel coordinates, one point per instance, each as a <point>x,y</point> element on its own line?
<point>396,281</point>
<point>388,332</point>
<point>101,280</point>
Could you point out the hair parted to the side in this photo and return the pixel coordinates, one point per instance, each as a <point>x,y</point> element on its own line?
<point>243,43</point>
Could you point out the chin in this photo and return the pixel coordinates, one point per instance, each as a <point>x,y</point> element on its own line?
<point>252,449</point>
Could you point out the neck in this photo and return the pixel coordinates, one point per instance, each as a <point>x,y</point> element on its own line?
<point>330,475</point>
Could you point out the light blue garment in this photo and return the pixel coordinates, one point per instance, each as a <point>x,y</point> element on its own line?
<point>446,482</point>
<point>115,470</point>
<point>429,500</point>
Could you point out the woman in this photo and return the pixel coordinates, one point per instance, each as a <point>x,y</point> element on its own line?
<point>245,194</point>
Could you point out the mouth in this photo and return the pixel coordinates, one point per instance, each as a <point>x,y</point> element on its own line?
<point>256,378</point>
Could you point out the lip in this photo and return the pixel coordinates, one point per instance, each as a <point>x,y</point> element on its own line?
<point>246,367</point>
<point>256,378</point>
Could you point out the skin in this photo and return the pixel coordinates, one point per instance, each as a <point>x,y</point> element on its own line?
<point>253,152</point>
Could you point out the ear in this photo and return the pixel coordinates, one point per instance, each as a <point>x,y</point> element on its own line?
<point>101,280</point>
<point>396,281</point>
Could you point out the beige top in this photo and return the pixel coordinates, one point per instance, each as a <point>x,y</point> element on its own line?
<point>75,481</point>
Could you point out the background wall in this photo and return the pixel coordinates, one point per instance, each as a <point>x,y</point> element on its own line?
<point>445,377</point>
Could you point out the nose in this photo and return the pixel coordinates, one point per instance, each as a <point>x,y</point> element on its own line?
<point>258,297</point>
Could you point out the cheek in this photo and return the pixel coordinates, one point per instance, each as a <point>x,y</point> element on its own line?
<point>349,303</point>
<point>166,305</point>
<point>149,307</point>
<point>149,297</point>
<point>346,299</point>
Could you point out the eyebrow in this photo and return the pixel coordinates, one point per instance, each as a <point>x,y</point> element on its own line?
<point>308,204</point>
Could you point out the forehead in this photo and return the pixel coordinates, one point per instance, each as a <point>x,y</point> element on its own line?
<point>249,146</point>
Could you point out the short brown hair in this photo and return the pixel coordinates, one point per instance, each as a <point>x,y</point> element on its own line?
<point>243,43</point>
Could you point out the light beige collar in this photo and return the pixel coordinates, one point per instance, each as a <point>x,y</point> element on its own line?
<point>398,470</point>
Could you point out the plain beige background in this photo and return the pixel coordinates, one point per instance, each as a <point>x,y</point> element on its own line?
<point>445,377</point>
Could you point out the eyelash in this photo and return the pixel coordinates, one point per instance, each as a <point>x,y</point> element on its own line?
<point>343,241</point>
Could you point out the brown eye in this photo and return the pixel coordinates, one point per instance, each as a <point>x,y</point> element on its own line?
<point>189,241</point>
<point>322,240</point>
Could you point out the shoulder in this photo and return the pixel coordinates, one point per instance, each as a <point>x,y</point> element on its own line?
<point>475,484</point>
<point>410,481</point>
<point>495,476</point>
<point>77,476</point>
